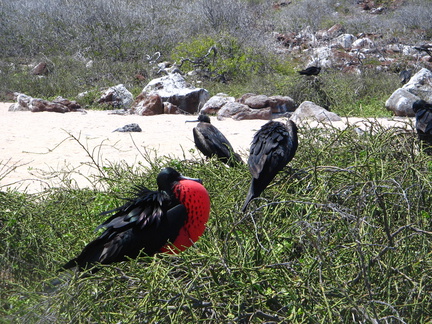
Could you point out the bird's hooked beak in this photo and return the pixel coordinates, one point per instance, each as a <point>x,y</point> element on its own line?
<point>193,179</point>
<point>192,121</point>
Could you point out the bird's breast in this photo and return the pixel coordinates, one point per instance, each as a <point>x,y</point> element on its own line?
<point>195,198</point>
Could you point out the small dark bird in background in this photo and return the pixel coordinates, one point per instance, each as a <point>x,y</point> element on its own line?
<point>273,146</point>
<point>167,220</point>
<point>312,70</point>
<point>405,76</point>
<point>423,114</point>
<point>211,142</point>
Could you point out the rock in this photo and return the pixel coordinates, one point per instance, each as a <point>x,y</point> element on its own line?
<point>418,87</point>
<point>215,103</point>
<point>278,104</point>
<point>335,30</point>
<point>257,101</point>
<point>263,113</point>
<point>27,103</point>
<point>169,108</point>
<point>38,105</point>
<point>148,105</point>
<point>40,69</point>
<point>309,110</point>
<point>174,89</point>
<point>344,40</point>
<point>239,111</point>
<point>363,43</point>
<point>22,104</point>
<point>400,102</point>
<point>117,96</point>
<point>281,104</point>
<point>129,128</point>
<point>420,84</point>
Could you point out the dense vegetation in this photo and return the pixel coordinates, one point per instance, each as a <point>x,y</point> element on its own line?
<point>342,235</point>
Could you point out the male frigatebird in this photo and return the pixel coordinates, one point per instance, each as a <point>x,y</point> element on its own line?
<point>170,219</point>
<point>211,142</point>
<point>273,146</point>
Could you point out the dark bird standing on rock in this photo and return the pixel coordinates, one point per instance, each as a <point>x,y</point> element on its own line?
<point>312,70</point>
<point>273,146</point>
<point>168,220</point>
<point>423,114</point>
<point>211,142</point>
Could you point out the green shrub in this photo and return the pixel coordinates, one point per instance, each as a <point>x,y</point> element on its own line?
<point>221,59</point>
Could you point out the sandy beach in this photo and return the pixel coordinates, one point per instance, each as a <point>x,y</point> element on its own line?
<point>37,147</point>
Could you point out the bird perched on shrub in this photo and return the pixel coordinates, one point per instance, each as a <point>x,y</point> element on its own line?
<point>312,70</point>
<point>273,146</point>
<point>423,114</point>
<point>170,219</point>
<point>211,142</point>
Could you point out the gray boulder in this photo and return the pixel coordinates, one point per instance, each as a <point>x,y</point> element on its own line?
<point>277,104</point>
<point>421,84</point>
<point>309,110</point>
<point>418,87</point>
<point>118,97</point>
<point>400,102</point>
<point>215,103</point>
<point>173,88</point>
<point>239,111</point>
<point>22,102</point>
<point>129,128</point>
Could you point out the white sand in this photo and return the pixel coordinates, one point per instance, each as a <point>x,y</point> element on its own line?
<point>36,147</point>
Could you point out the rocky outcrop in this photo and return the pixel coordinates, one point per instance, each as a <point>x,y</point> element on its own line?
<point>418,87</point>
<point>174,89</point>
<point>148,105</point>
<point>27,103</point>
<point>215,103</point>
<point>309,110</point>
<point>117,97</point>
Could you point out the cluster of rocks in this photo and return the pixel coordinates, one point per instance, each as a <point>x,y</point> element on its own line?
<point>334,48</point>
<point>171,94</point>
<point>27,103</point>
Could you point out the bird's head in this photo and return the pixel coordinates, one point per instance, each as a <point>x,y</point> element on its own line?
<point>203,118</point>
<point>167,177</point>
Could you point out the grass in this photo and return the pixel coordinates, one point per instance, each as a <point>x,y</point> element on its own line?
<point>342,235</point>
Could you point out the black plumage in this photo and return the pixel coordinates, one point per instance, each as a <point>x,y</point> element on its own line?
<point>211,142</point>
<point>405,76</point>
<point>312,70</point>
<point>273,146</point>
<point>423,115</point>
<point>145,223</point>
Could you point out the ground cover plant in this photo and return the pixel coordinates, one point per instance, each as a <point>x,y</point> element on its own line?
<point>342,235</point>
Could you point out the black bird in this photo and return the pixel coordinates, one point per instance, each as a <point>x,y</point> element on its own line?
<point>175,214</point>
<point>405,76</point>
<point>312,70</point>
<point>273,146</point>
<point>423,114</point>
<point>211,142</point>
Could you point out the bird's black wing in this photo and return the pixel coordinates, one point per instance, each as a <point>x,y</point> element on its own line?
<point>211,142</point>
<point>145,223</point>
<point>268,149</point>
<point>424,119</point>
